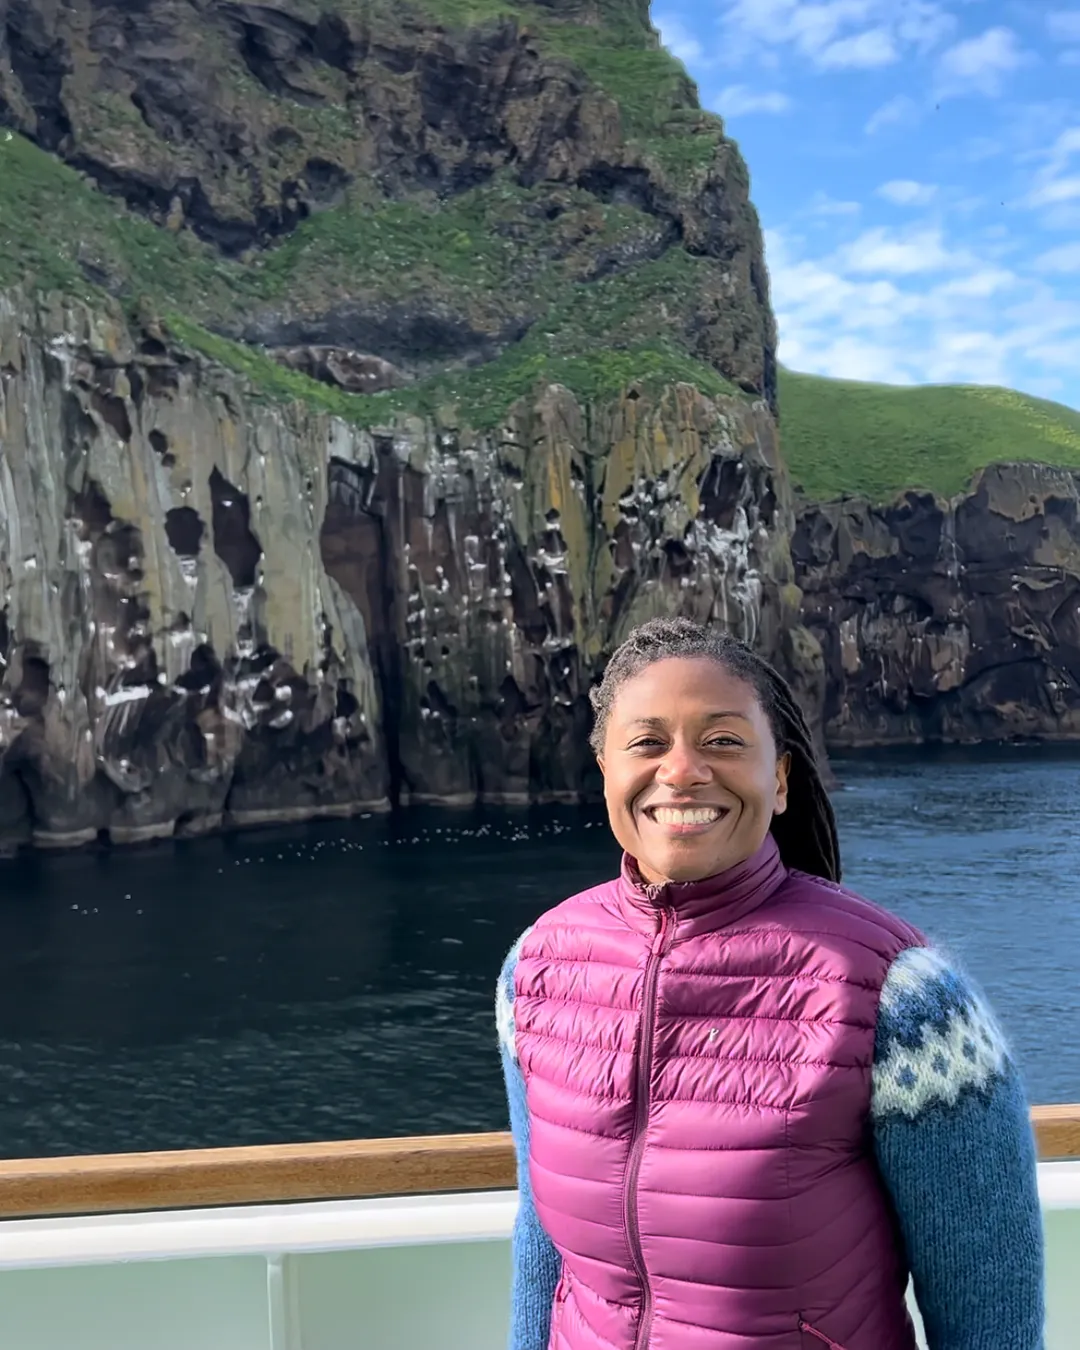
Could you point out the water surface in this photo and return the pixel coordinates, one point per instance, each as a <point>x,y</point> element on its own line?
<point>335,980</point>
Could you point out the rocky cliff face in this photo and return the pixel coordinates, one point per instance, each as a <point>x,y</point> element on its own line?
<point>400,181</point>
<point>948,620</point>
<point>172,645</point>
<point>217,609</point>
<point>367,370</point>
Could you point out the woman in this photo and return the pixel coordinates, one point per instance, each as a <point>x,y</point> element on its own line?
<point>747,1103</point>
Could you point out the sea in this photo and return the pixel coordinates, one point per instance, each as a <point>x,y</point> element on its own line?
<point>335,980</point>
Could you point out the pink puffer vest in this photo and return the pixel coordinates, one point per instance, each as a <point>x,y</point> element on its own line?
<point>697,1061</point>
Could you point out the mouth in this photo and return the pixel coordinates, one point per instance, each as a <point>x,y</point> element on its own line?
<point>684,820</point>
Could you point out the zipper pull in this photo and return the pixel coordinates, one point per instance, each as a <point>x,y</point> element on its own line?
<point>808,1330</point>
<point>661,934</point>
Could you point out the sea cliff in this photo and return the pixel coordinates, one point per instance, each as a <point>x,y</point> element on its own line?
<point>368,370</point>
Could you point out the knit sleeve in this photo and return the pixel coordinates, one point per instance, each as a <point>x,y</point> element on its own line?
<point>956,1152</point>
<point>536,1264</point>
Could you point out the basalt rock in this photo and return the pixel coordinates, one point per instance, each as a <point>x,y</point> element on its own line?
<point>174,653</point>
<point>496,573</point>
<point>355,372</point>
<point>948,620</point>
<point>218,610</point>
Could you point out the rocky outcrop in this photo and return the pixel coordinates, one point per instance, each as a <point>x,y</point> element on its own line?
<point>173,649</point>
<point>218,610</point>
<point>236,122</point>
<point>354,372</point>
<point>948,620</point>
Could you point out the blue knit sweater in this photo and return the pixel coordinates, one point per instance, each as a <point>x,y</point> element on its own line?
<point>954,1147</point>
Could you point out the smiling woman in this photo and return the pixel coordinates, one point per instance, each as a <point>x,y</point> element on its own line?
<point>744,1100</point>
<point>747,741</point>
<point>692,791</point>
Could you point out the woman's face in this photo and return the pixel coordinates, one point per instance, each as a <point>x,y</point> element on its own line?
<point>692,779</point>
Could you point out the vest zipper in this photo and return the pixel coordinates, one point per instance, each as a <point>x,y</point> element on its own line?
<point>643,1092</point>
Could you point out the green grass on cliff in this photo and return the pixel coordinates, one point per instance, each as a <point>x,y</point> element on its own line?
<point>843,437</point>
<point>477,256</point>
<point>657,99</point>
<point>479,397</point>
<point>57,229</point>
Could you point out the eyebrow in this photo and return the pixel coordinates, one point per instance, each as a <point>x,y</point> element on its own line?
<point>661,722</point>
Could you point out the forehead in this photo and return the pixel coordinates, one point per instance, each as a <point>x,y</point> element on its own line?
<point>684,684</point>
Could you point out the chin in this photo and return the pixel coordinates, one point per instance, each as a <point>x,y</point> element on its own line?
<point>680,868</point>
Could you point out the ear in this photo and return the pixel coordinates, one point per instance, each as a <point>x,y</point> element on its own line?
<point>783,771</point>
<point>600,762</point>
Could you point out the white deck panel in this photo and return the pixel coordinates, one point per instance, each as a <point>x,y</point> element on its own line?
<point>413,1273</point>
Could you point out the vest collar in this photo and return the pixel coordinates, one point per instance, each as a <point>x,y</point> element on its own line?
<point>701,906</point>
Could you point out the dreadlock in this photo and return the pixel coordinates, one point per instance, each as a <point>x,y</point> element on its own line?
<point>806,832</point>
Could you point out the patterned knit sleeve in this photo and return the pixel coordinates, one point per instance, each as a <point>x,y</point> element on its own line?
<point>955,1149</point>
<point>535,1262</point>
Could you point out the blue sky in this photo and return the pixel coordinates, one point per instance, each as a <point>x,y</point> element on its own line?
<point>916,166</point>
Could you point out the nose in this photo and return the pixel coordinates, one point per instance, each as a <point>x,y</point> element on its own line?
<point>683,766</point>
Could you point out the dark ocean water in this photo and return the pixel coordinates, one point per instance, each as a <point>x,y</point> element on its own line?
<point>335,981</point>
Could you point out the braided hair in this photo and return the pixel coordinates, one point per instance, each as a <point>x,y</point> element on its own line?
<point>806,832</point>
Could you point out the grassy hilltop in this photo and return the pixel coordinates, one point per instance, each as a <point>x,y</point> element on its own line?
<point>848,437</point>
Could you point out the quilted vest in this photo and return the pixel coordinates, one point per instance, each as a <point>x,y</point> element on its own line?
<point>697,1063</point>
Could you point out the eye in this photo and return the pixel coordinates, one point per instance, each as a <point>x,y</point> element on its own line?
<point>645,743</point>
<point>725,738</point>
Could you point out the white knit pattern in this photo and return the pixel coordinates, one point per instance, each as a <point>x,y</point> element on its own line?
<point>943,1057</point>
<point>504,999</point>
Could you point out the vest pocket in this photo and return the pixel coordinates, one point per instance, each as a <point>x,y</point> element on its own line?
<point>817,1339</point>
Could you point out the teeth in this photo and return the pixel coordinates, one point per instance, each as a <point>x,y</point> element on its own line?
<point>675,815</point>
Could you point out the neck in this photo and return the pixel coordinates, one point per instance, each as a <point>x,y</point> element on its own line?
<point>707,902</point>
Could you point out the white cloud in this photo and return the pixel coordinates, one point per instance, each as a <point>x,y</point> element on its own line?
<point>737,100</point>
<point>978,65</point>
<point>1064,258</point>
<point>834,34</point>
<point>982,284</point>
<point>1055,191</point>
<point>871,310</point>
<point>895,253</point>
<point>821,205</point>
<point>1055,185</point>
<point>896,111</point>
<point>906,192</point>
<point>864,51</point>
<point>677,38</point>
<point>1064,147</point>
<point>1063,25</point>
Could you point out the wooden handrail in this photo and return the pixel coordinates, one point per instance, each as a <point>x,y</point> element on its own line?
<point>1057,1130</point>
<point>269,1174</point>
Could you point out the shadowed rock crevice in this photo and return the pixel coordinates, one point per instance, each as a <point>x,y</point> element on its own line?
<point>40,61</point>
<point>184,530</point>
<point>357,550</point>
<point>234,542</point>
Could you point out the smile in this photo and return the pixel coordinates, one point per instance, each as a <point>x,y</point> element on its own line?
<point>685,818</point>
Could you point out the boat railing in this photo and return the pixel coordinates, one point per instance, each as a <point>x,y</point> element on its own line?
<point>350,1169</point>
<point>369,1244</point>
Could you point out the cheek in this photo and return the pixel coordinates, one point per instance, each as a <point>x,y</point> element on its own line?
<point>620,789</point>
